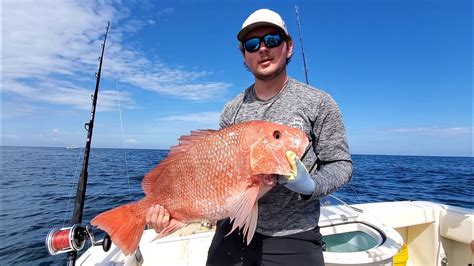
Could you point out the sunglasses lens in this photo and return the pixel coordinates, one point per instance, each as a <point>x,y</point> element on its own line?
<point>272,40</point>
<point>252,45</point>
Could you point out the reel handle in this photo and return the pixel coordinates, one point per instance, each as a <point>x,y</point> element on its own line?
<point>106,243</point>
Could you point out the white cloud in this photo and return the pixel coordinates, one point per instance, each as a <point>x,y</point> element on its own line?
<point>208,118</point>
<point>168,10</point>
<point>434,131</point>
<point>51,37</point>
<point>132,26</point>
<point>131,141</point>
<point>133,68</point>
<point>50,52</point>
<point>66,93</point>
<point>14,109</point>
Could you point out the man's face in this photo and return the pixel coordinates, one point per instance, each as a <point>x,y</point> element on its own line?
<point>267,63</point>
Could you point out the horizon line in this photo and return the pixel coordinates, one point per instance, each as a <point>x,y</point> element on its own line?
<point>167,149</point>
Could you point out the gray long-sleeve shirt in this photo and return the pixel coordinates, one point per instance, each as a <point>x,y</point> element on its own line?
<point>282,211</point>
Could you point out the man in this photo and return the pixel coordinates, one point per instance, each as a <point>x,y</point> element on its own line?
<point>287,229</point>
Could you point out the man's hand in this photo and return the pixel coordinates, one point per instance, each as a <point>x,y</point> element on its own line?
<point>158,218</point>
<point>299,180</point>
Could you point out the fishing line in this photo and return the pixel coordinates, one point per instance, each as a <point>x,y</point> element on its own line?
<point>355,191</point>
<point>362,208</point>
<point>123,141</point>
<point>301,42</point>
<point>72,185</point>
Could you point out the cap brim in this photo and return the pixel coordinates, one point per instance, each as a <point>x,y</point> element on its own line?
<point>243,32</point>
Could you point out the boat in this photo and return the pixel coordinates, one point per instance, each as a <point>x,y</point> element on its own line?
<point>72,146</point>
<point>381,233</point>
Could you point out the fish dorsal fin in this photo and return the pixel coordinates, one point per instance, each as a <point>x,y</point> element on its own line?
<point>189,140</point>
<point>243,211</point>
<point>185,142</point>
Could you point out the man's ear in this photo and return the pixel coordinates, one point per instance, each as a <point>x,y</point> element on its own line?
<point>289,48</point>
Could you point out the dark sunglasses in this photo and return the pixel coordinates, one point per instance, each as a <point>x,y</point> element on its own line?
<point>271,40</point>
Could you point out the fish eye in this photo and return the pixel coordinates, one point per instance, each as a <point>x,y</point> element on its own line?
<point>276,134</point>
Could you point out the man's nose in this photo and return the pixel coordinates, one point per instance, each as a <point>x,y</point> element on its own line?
<point>262,47</point>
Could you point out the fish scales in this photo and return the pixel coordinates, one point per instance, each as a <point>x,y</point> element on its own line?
<point>202,174</point>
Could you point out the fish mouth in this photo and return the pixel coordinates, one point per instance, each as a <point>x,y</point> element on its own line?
<point>270,157</point>
<point>299,143</point>
<point>284,166</point>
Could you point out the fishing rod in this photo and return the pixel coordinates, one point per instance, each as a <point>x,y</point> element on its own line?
<point>304,66</point>
<point>317,162</point>
<point>72,239</point>
<point>302,48</point>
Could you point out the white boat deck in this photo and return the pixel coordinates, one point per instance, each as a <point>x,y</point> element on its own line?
<point>434,234</point>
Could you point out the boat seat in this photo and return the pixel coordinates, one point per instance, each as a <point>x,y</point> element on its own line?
<point>457,224</point>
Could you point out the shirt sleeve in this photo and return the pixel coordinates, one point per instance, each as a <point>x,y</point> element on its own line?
<point>335,166</point>
<point>230,109</point>
<point>226,116</point>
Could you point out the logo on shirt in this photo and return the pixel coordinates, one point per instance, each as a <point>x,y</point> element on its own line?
<point>297,123</point>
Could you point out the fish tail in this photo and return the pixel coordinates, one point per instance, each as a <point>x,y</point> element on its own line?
<point>125,224</point>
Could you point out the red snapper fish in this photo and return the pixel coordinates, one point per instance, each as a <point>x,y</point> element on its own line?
<point>210,175</point>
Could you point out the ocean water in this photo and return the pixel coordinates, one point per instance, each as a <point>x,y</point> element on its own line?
<point>38,186</point>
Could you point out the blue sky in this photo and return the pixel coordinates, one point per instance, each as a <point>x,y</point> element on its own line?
<point>401,71</point>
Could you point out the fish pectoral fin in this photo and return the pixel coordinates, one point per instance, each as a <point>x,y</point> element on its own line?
<point>243,212</point>
<point>251,223</point>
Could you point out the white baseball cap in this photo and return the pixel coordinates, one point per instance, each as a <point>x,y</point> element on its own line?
<point>261,17</point>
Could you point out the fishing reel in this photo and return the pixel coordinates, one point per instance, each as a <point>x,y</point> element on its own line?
<point>73,238</point>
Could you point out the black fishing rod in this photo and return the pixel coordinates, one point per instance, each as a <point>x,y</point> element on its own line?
<point>317,162</point>
<point>72,239</point>
<point>82,184</point>
<point>301,42</point>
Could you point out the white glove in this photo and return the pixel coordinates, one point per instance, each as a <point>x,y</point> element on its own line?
<point>299,180</point>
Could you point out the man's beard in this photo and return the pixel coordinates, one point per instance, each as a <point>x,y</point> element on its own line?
<point>265,77</point>
<point>270,76</point>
